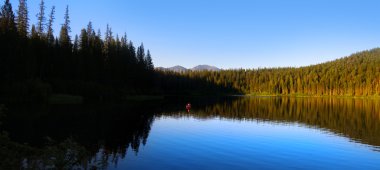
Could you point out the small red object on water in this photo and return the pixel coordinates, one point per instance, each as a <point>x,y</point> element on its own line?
<point>188,107</point>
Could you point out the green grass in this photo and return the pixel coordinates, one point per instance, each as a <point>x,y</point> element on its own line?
<point>65,99</point>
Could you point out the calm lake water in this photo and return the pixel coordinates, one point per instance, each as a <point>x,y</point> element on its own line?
<point>223,133</point>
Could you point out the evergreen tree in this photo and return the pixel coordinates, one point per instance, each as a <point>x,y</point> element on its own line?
<point>76,45</point>
<point>149,61</point>
<point>108,39</point>
<point>50,31</point>
<point>8,42</point>
<point>64,38</point>
<point>141,55</point>
<point>22,19</point>
<point>124,41</point>
<point>41,19</point>
<point>99,34</point>
<point>83,40</point>
<point>132,52</point>
<point>33,32</point>
<point>118,44</point>
<point>90,31</point>
<point>7,18</point>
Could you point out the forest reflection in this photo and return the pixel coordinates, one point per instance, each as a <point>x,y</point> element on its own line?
<point>73,137</point>
<point>358,119</point>
<point>96,137</point>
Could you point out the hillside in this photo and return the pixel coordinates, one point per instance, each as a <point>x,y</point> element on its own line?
<point>354,75</point>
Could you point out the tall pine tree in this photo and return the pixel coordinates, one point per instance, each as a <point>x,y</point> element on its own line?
<point>149,62</point>
<point>7,18</point>
<point>50,31</point>
<point>41,19</point>
<point>64,37</point>
<point>141,55</point>
<point>22,19</point>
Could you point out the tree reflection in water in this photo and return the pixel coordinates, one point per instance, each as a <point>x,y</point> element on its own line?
<point>95,137</point>
<point>358,119</point>
<point>92,136</point>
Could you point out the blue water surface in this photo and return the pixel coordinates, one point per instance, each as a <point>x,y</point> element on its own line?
<point>219,143</point>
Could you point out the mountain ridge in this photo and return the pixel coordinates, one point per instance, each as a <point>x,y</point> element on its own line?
<point>179,68</point>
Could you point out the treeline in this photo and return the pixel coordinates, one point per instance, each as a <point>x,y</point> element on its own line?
<point>356,75</point>
<point>34,63</point>
<point>192,83</point>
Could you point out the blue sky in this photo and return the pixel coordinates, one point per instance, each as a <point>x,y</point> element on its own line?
<point>231,33</point>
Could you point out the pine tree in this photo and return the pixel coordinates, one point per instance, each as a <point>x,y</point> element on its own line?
<point>149,61</point>
<point>50,36</point>
<point>8,40</point>
<point>90,31</point>
<point>124,41</point>
<point>141,55</point>
<point>76,45</point>
<point>34,32</point>
<point>83,40</point>
<point>99,34</point>
<point>107,41</point>
<point>64,38</point>
<point>41,19</point>
<point>22,19</point>
<point>118,43</point>
<point>7,18</point>
<point>132,51</point>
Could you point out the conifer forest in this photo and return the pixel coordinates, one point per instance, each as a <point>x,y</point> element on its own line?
<point>102,65</point>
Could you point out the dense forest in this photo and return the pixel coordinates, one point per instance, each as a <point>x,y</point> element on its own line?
<point>355,75</point>
<point>34,64</point>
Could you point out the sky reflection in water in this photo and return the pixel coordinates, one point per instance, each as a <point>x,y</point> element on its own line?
<point>219,143</point>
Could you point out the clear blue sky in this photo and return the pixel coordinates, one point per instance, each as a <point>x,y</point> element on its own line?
<point>231,33</point>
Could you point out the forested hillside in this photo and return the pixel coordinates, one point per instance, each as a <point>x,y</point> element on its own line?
<point>355,75</point>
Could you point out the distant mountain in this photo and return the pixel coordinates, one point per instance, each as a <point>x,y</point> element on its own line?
<point>179,68</point>
<point>205,67</point>
<point>159,68</point>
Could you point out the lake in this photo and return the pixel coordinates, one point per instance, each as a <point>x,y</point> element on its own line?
<point>216,133</point>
